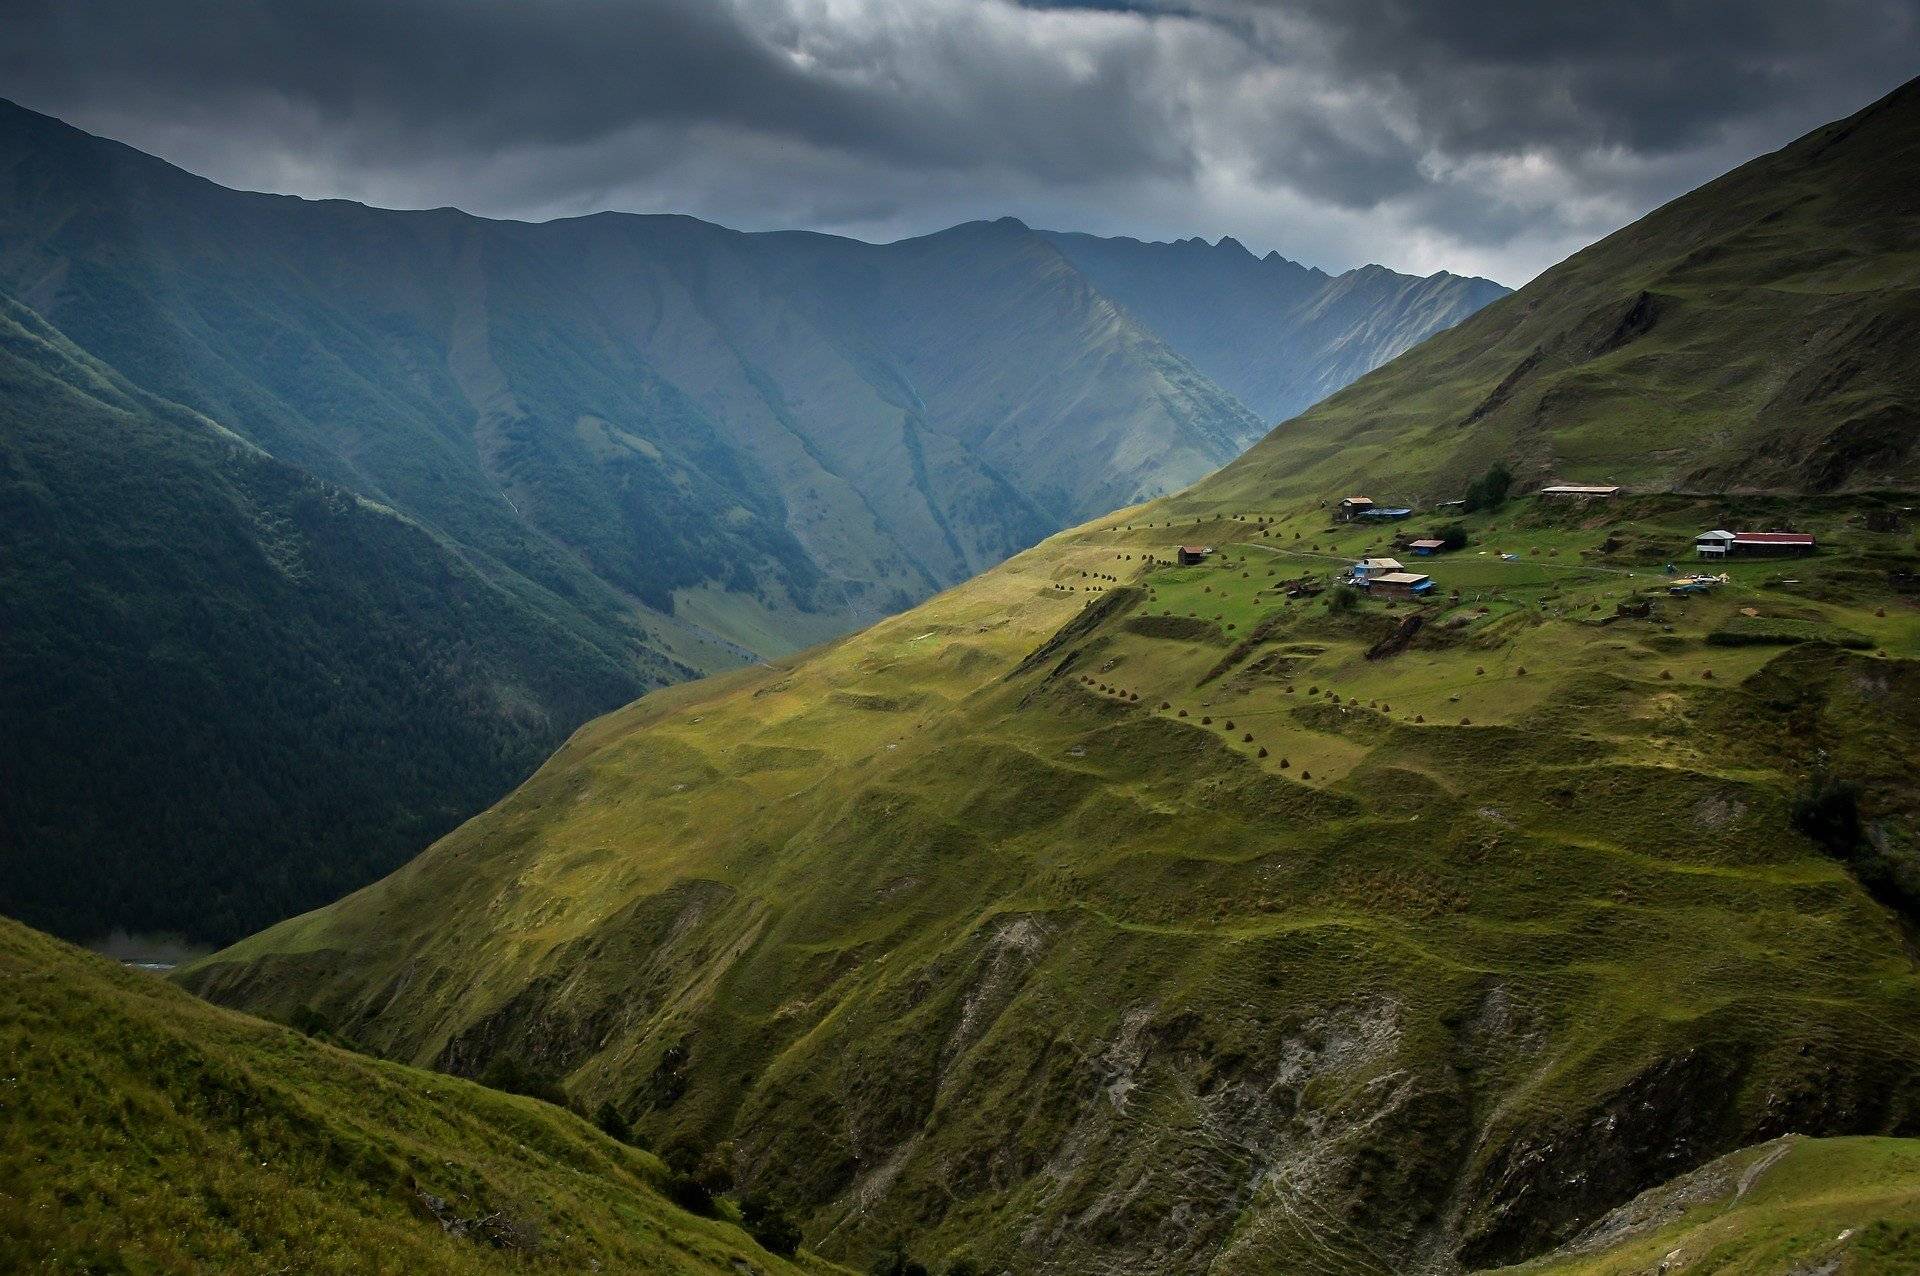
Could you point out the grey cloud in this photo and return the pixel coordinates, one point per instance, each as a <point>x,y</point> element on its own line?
<point>1491,136</point>
<point>414,77</point>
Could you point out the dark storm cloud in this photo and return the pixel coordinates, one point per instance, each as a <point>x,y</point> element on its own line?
<point>1492,136</point>
<point>413,77</point>
<point>1651,75</point>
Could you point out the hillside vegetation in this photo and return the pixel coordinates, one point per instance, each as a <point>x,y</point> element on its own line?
<point>146,1132</point>
<point>1107,915</point>
<point>1133,920</point>
<point>1755,335</point>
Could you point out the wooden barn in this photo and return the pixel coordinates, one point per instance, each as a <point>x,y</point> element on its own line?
<point>1724,544</point>
<point>1353,507</point>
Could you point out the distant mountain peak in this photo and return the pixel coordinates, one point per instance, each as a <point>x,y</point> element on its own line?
<point>1276,334</point>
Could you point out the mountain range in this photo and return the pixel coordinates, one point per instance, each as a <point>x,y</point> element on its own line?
<point>1276,335</point>
<point>619,451</point>
<point>1120,912</point>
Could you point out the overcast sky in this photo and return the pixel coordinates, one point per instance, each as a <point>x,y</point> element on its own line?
<point>1489,137</point>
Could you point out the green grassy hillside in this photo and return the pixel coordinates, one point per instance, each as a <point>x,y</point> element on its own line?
<point>1112,915</point>
<point>1848,1207</point>
<point>146,1132</point>
<point>1754,335</point>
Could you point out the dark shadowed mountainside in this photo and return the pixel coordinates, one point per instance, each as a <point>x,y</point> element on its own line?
<point>233,689</point>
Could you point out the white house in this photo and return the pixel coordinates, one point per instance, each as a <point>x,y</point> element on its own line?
<point>1714,544</point>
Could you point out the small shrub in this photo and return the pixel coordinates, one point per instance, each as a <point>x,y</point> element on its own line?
<point>509,1074</point>
<point>690,1194</point>
<point>771,1227</point>
<point>1828,811</point>
<point>310,1022</point>
<point>612,1124</point>
<point>1489,491</point>
<point>897,1262</point>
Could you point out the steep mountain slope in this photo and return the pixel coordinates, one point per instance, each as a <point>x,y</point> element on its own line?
<point>232,690</point>
<point>621,451</point>
<point>959,947</point>
<point>774,437</point>
<point>1107,915</point>
<point>1277,335</point>
<point>1755,335</point>
<point>147,1132</point>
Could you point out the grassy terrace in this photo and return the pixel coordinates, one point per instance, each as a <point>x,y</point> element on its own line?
<point>1511,633</point>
